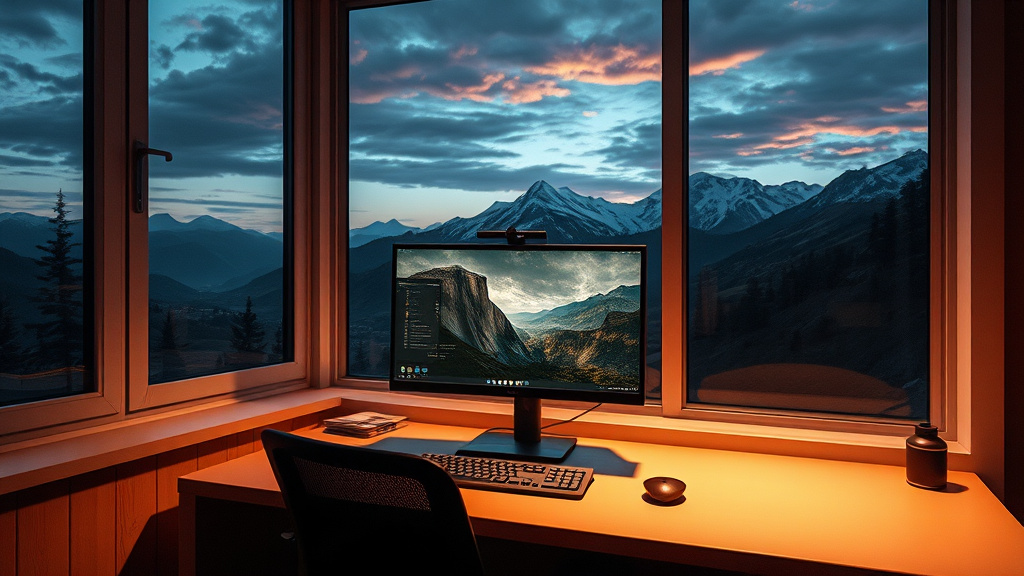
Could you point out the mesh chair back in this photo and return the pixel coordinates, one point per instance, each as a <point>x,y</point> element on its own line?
<point>357,509</point>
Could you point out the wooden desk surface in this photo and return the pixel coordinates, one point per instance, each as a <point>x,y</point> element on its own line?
<point>749,512</point>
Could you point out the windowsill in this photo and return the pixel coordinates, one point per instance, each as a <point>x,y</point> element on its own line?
<point>38,461</point>
<point>651,429</point>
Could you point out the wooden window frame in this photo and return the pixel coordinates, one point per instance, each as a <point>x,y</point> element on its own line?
<point>141,394</point>
<point>103,34</point>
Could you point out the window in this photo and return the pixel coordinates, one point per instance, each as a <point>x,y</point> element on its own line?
<point>698,309</point>
<point>809,207</point>
<point>469,115</point>
<point>217,217</point>
<point>196,295</point>
<point>45,293</point>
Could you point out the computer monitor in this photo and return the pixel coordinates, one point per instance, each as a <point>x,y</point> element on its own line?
<point>531,321</point>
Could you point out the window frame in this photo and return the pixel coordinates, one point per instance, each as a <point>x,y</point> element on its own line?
<point>946,406</point>
<point>141,395</point>
<point>101,174</point>
<point>117,238</point>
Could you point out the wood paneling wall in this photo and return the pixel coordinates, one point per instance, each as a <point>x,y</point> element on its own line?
<point>121,520</point>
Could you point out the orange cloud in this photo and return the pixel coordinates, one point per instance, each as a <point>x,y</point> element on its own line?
<point>518,93</point>
<point>728,136</point>
<point>718,66</point>
<point>474,93</point>
<point>589,113</point>
<point>616,66</point>
<point>358,56</point>
<point>915,106</point>
<point>851,151</point>
<point>463,52</point>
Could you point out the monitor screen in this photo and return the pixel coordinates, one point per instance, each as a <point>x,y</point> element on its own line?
<point>535,320</point>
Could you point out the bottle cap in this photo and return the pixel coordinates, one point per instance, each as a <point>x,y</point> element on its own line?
<point>926,430</point>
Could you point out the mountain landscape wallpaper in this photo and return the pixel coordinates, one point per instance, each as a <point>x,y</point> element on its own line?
<point>568,317</point>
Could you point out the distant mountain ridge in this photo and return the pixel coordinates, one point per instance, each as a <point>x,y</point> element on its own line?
<point>586,314</point>
<point>869,184</point>
<point>359,236</point>
<point>724,205</point>
<point>564,214</point>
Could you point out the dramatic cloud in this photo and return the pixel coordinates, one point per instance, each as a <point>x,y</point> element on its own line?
<point>612,65</point>
<point>491,96</point>
<point>782,91</point>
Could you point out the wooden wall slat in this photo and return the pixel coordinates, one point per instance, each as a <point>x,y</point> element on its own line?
<point>43,533</point>
<point>213,452</point>
<point>170,466</point>
<point>8,535</point>
<point>93,519</point>
<point>307,422</point>
<point>244,440</point>
<point>284,426</point>
<point>136,517</point>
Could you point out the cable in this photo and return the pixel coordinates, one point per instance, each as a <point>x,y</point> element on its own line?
<point>552,425</point>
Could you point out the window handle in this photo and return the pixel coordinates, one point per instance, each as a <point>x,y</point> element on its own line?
<point>141,186</point>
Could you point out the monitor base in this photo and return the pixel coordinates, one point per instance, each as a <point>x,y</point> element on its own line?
<point>504,445</point>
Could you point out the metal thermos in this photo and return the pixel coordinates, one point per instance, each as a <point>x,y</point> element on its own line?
<point>926,458</point>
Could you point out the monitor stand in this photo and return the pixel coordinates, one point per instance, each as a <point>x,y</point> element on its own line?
<point>526,443</point>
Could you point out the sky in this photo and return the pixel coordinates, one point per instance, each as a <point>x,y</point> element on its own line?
<point>455,104</point>
<point>805,89</point>
<point>216,101</point>
<point>541,280</point>
<point>40,105</point>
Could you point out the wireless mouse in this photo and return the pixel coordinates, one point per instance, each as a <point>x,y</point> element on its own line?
<point>663,489</point>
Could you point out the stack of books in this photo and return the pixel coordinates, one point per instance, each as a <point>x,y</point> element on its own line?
<point>363,424</point>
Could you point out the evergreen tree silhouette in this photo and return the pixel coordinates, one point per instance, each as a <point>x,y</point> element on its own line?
<point>247,334</point>
<point>169,333</point>
<point>60,340</point>
<point>11,357</point>
<point>278,348</point>
<point>170,349</point>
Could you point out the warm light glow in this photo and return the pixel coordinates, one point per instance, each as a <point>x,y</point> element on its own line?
<point>718,66</point>
<point>613,66</point>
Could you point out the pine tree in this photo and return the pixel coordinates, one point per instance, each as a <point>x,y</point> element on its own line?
<point>278,348</point>
<point>60,340</point>
<point>11,357</point>
<point>169,333</point>
<point>247,334</point>
<point>170,349</point>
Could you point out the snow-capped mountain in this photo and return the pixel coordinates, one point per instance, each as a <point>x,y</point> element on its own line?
<point>360,236</point>
<point>878,183</point>
<point>723,205</point>
<point>564,214</point>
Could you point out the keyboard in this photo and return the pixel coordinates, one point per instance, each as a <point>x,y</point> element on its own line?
<point>519,477</point>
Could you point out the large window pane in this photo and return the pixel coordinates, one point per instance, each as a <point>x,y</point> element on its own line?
<point>484,114</point>
<point>217,211</point>
<point>45,301</point>
<point>809,206</point>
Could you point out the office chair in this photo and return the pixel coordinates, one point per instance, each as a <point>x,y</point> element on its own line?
<point>357,509</point>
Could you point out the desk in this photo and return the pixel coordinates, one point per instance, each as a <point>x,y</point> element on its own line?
<point>755,513</point>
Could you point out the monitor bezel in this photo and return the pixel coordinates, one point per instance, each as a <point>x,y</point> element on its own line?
<point>434,387</point>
